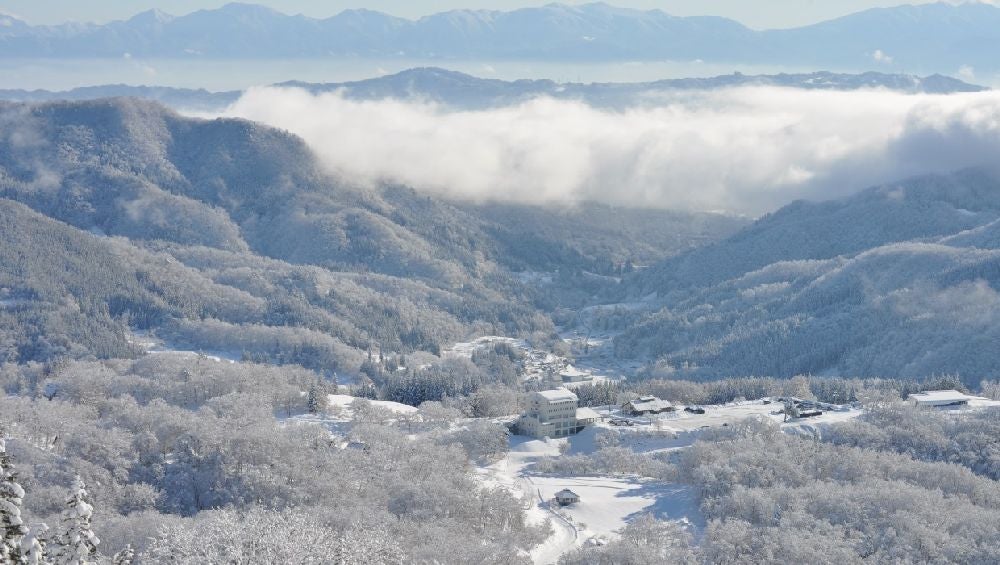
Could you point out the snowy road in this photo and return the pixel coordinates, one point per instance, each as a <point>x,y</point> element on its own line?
<point>564,538</point>
<point>508,473</point>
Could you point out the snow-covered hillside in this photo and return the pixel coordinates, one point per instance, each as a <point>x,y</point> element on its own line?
<point>899,280</point>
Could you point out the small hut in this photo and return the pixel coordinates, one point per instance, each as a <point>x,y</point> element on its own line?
<point>565,497</point>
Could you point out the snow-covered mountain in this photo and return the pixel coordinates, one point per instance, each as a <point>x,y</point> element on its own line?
<point>926,38</point>
<point>101,194</point>
<point>900,279</point>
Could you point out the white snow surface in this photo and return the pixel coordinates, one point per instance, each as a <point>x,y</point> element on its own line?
<point>558,395</point>
<point>607,504</point>
<point>154,345</point>
<point>344,402</point>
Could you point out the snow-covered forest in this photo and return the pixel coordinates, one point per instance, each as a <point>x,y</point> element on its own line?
<point>366,317</point>
<point>192,459</point>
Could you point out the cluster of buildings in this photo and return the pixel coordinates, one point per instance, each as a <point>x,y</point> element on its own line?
<point>557,414</point>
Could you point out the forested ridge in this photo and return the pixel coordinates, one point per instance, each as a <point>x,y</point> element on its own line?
<point>899,280</point>
<point>227,235</point>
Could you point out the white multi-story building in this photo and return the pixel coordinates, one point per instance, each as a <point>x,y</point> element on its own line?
<point>552,413</point>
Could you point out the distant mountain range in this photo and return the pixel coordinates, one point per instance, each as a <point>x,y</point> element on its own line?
<point>926,38</point>
<point>464,91</point>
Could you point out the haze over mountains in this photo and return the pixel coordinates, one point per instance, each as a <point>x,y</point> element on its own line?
<point>926,38</point>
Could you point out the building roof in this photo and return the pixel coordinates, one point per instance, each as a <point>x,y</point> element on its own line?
<point>650,403</point>
<point>566,493</point>
<point>558,395</point>
<point>586,414</point>
<point>940,396</point>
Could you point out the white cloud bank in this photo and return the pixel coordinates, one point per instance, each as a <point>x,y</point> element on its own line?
<point>744,150</point>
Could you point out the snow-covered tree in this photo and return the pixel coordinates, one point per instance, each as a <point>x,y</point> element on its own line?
<point>316,400</point>
<point>790,410</point>
<point>33,545</point>
<point>11,497</point>
<point>124,557</point>
<point>644,540</point>
<point>77,543</point>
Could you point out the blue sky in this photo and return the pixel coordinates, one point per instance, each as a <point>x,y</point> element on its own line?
<point>755,13</point>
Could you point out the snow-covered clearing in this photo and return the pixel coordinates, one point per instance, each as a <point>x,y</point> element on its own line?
<point>343,402</point>
<point>607,504</point>
<point>154,345</point>
<point>467,348</point>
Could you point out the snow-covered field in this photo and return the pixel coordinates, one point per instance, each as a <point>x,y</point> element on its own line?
<point>154,345</point>
<point>467,348</point>
<point>607,504</point>
<point>343,403</point>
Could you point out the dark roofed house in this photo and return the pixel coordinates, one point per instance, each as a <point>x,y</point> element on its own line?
<point>646,405</point>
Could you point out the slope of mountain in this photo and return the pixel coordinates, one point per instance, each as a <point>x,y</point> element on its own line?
<point>464,91</point>
<point>923,207</point>
<point>897,280</point>
<point>927,38</point>
<point>923,36</point>
<point>226,235</point>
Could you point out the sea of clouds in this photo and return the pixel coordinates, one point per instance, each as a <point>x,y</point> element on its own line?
<point>740,150</point>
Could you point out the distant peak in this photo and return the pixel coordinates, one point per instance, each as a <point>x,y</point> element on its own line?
<point>154,15</point>
<point>436,71</point>
<point>7,20</point>
<point>246,8</point>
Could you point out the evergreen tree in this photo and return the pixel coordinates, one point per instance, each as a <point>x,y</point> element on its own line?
<point>314,401</point>
<point>124,557</point>
<point>33,545</point>
<point>11,497</point>
<point>78,543</point>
